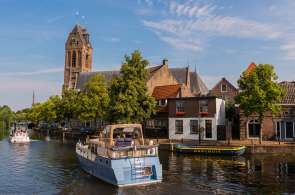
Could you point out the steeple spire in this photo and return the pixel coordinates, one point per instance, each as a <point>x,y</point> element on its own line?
<point>33,98</point>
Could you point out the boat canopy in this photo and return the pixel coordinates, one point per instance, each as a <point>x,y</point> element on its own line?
<point>123,131</point>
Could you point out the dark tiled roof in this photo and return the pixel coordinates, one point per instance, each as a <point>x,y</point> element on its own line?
<point>154,68</point>
<point>289,88</point>
<point>166,91</point>
<point>179,74</point>
<point>85,76</point>
<point>197,85</point>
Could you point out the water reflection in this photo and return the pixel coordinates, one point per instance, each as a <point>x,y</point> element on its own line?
<point>52,167</point>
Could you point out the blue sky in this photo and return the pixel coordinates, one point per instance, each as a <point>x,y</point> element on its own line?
<point>219,37</point>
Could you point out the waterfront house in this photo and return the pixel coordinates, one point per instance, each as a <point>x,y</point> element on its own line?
<point>275,127</point>
<point>190,115</point>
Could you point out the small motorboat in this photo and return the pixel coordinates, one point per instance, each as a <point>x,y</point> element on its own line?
<point>210,150</point>
<point>120,156</point>
<point>19,134</point>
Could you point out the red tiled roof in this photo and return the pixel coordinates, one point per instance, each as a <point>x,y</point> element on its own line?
<point>166,91</point>
<point>250,68</point>
<point>289,88</point>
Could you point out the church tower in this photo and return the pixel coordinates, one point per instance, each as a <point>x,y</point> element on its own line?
<point>78,56</point>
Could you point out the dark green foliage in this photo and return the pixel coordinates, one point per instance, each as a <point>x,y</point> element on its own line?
<point>94,99</point>
<point>130,101</point>
<point>6,117</point>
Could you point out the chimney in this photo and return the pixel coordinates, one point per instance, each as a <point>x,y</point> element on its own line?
<point>165,61</point>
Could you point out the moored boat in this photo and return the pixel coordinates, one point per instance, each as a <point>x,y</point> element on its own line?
<point>121,157</point>
<point>210,150</point>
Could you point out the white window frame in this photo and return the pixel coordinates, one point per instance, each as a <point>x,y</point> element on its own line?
<point>222,89</point>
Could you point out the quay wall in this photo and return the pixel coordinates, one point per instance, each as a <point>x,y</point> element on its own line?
<point>256,149</point>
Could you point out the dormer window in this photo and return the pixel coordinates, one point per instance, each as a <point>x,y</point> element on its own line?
<point>162,102</point>
<point>223,88</point>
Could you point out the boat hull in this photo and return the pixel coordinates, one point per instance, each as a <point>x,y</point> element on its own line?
<point>210,150</point>
<point>20,140</point>
<point>122,172</point>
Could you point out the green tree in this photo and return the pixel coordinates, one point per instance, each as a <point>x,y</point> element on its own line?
<point>34,114</point>
<point>94,99</point>
<point>50,110</point>
<point>260,93</point>
<point>130,101</point>
<point>69,105</point>
<point>6,117</point>
<point>22,115</point>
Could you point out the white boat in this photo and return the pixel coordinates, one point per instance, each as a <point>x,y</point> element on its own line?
<point>19,134</point>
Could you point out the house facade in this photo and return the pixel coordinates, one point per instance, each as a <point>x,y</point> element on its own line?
<point>190,115</point>
<point>274,127</point>
<point>224,90</point>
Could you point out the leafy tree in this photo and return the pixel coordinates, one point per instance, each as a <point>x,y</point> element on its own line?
<point>34,115</point>
<point>6,116</point>
<point>130,101</point>
<point>260,92</point>
<point>69,105</point>
<point>22,115</point>
<point>94,99</point>
<point>49,110</point>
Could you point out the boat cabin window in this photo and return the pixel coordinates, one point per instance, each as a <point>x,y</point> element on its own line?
<point>133,133</point>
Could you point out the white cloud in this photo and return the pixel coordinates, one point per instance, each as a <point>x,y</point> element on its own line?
<point>190,9</point>
<point>191,24</point>
<point>38,72</point>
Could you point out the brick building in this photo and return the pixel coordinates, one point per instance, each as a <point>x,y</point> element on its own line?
<point>275,127</point>
<point>78,56</point>
<point>224,90</point>
<point>78,70</point>
<point>188,115</point>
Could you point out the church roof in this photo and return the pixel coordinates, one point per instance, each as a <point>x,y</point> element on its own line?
<point>86,76</point>
<point>196,84</point>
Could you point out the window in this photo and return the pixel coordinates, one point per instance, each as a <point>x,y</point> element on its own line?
<point>69,58</point>
<point>162,102</point>
<point>178,127</point>
<point>254,128</point>
<point>208,126</point>
<point>203,105</point>
<point>86,61</point>
<point>194,126</point>
<point>179,106</point>
<point>80,58</point>
<point>289,129</point>
<point>223,88</point>
<point>74,59</point>
<point>278,130</point>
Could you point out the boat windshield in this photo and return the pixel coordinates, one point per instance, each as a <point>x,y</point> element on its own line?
<point>127,132</point>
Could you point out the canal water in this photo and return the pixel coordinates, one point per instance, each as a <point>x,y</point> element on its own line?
<point>52,168</point>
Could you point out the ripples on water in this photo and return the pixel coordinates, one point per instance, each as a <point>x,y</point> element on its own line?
<point>52,168</point>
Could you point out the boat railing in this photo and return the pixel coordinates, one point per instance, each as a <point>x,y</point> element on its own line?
<point>102,147</point>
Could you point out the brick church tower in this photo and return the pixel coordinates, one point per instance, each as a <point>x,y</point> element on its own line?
<point>78,56</point>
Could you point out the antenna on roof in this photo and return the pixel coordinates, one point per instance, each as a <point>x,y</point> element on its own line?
<point>195,68</point>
